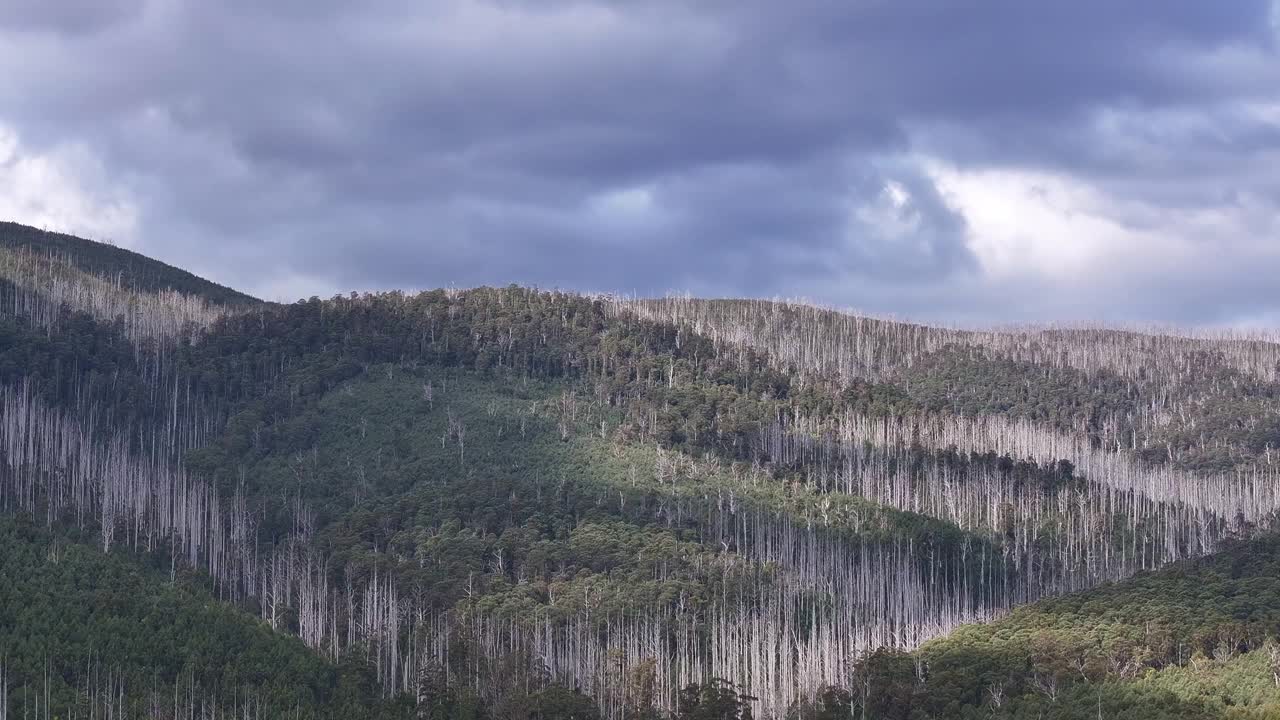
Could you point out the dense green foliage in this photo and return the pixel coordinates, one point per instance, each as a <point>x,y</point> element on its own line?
<point>1190,641</point>
<point>1236,417</point>
<point>86,363</point>
<point>570,515</point>
<point>65,607</point>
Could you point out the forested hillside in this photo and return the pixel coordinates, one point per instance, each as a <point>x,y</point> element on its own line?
<point>510,503</point>
<point>115,264</point>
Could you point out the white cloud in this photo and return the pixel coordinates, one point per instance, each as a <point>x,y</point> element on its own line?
<point>626,203</point>
<point>1041,223</point>
<point>621,213</point>
<point>1069,247</point>
<point>63,189</point>
<point>893,214</point>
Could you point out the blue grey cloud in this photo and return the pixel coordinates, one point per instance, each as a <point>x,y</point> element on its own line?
<point>808,148</point>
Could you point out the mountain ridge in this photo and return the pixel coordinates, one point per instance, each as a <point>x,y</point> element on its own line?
<point>118,264</point>
<point>608,501</point>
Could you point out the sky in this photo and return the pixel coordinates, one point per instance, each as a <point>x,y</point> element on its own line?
<point>985,162</point>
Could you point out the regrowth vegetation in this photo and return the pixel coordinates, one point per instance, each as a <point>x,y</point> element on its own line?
<point>514,503</point>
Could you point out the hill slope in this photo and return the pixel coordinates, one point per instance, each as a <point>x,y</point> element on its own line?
<point>130,269</point>
<point>83,630</point>
<point>517,503</point>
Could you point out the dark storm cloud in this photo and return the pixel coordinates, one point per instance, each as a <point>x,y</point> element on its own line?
<point>744,147</point>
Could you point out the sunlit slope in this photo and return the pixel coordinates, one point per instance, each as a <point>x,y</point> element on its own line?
<point>520,514</point>
<point>1204,401</point>
<point>1194,640</point>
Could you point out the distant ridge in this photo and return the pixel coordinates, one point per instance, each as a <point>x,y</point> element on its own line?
<point>134,270</point>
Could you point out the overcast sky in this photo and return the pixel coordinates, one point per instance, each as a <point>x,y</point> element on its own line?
<point>975,162</point>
